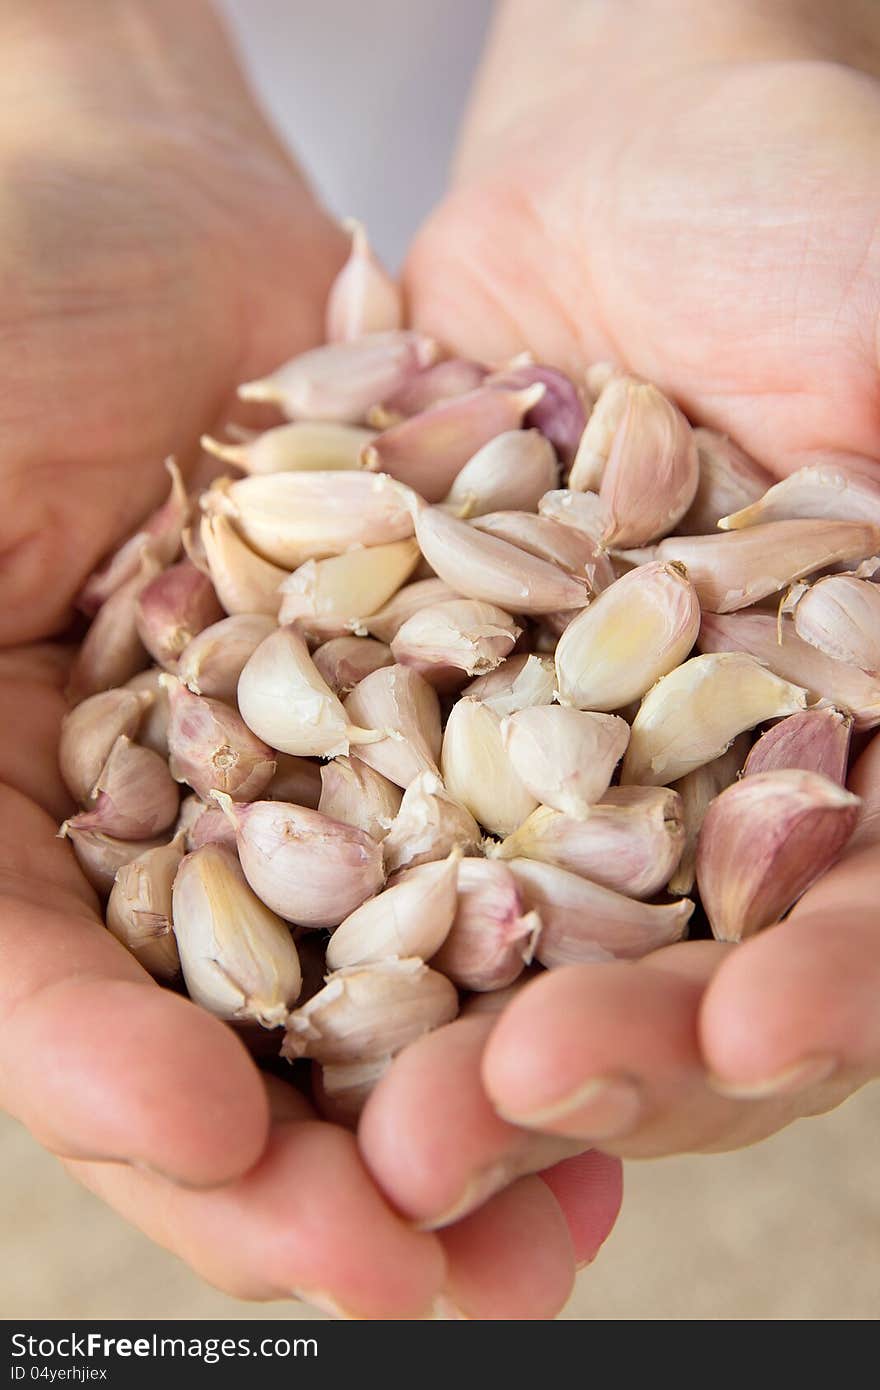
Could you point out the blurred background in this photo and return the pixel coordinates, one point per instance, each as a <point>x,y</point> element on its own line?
<point>369,95</point>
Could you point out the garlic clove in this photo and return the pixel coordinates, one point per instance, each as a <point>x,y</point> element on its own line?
<point>571,549</point>
<point>449,641</point>
<point>203,823</point>
<point>652,471</point>
<point>363,298</point>
<point>428,450</point>
<point>634,632</point>
<point>512,471</point>
<point>344,661</point>
<point>565,757</point>
<point>340,381</point>
<point>244,581</point>
<point>478,772</point>
<point>342,1089</point>
<point>582,511</point>
<point>239,959</point>
<point>693,714</point>
<point>139,910</point>
<point>560,414</point>
<point>212,748</point>
<point>729,481</point>
<point>101,856</point>
<point>456,376</point>
<point>312,870</point>
<point>213,661</point>
<point>304,446</point>
<point>297,780</point>
<point>172,609</point>
<point>152,731</point>
<point>161,533</point>
<point>736,569</point>
<point>369,1011</point>
<point>112,651</point>
<point>399,702</point>
<point>697,790</point>
<point>355,794</point>
<point>328,598</point>
<point>816,740</point>
<point>840,615</point>
<point>764,841</point>
<point>424,593</point>
<point>492,937</point>
<point>582,922</point>
<point>135,796</point>
<point>428,826</point>
<point>89,731</point>
<point>847,491</point>
<point>520,682</point>
<point>410,919</point>
<point>595,443</point>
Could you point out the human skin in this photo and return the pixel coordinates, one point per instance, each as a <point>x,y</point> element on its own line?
<point>689,190</point>
<point>157,247</point>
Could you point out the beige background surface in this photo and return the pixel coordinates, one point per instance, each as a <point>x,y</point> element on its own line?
<point>787,1230</point>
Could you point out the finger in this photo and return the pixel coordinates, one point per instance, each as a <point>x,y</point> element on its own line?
<point>511,1259</point>
<point>609,1054</point>
<point>305,1222</point>
<point>589,1190</point>
<point>432,1140</point>
<point>32,705</point>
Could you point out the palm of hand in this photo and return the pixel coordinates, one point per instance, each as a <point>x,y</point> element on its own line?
<point>714,230</point>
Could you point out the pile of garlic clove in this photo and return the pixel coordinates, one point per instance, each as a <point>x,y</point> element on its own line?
<point>464,672</point>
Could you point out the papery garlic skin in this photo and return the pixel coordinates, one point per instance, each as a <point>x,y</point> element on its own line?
<point>284,700</point>
<point>152,732</point>
<point>203,823</point>
<point>452,640</point>
<point>650,478</point>
<point>369,1011</point>
<point>160,534</point>
<point>565,757</point>
<point>428,826</point>
<point>340,381</point>
<point>520,682</point>
<point>841,616</point>
<point>454,376</point>
<point>239,960</point>
<point>172,609</point>
<point>693,714</point>
<point>89,731</point>
<point>763,842</point>
<point>634,632</point>
<point>363,298</point>
<point>816,740</point>
<point>826,491</point>
<point>355,794</point>
<point>698,790</point>
<point>560,414</point>
<point>212,748</point>
<point>135,796</point>
<point>582,922</point>
<point>243,580</point>
<point>597,439</point>
<point>478,772</point>
<point>400,703</point>
<point>344,661</point>
<point>213,661</point>
<point>729,481</point>
<point>631,841</point>
<point>566,546</point>
<point>311,870</point>
<point>411,919</point>
<point>424,593</point>
<point>139,912</point>
<point>328,598</point>
<point>512,471</point>
<point>101,856</point>
<point>304,446</point>
<point>492,937</point>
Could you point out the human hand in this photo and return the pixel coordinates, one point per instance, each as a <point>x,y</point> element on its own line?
<point>690,191</point>
<point>157,248</point>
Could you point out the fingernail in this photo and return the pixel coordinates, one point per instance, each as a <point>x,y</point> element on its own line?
<point>325,1304</point>
<point>602,1108</point>
<point>477,1191</point>
<point>809,1071</point>
<point>444,1310</point>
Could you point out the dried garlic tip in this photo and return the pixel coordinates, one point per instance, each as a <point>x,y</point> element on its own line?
<point>634,632</point>
<point>212,748</point>
<point>284,700</point>
<point>565,757</point>
<point>239,960</point>
<point>816,740</point>
<point>582,922</point>
<point>566,546</point>
<point>428,826</point>
<point>478,772</point>
<point>304,446</point>
<point>244,581</point>
<point>512,471</point>
<point>342,1090</point>
<point>729,480</point>
<point>410,919</point>
<point>161,534</point>
<point>312,870</point>
<point>630,841</point>
<point>369,1011</point>
<point>763,842</point>
<point>560,414</point>
<point>327,598</point>
<point>826,491</point>
<point>697,790</point>
<point>355,794</point>
<point>483,567</point>
<point>692,715</point>
<point>399,702</point>
<point>213,661</point>
<point>101,856</point>
<point>779,648</point>
<point>89,731</point>
<point>344,661</point>
<point>175,606</point>
<point>451,640</point>
<point>424,593</point>
<point>135,796</point>
<point>520,682</point>
<point>340,381</point>
<point>456,376</point>
<point>735,569</point>
<point>289,518</point>
<point>139,911</point>
<point>651,475</point>
<point>841,616</point>
<point>363,298</point>
<point>429,450</point>
<point>492,937</point>
<point>153,729</point>
<point>112,651</point>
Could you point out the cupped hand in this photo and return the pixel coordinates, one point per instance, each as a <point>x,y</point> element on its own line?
<point>690,191</point>
<point>157,247</point>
